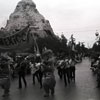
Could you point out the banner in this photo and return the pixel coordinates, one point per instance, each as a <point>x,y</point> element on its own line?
<point>19,41</point>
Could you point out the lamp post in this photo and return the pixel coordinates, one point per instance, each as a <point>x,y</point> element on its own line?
<point>97,37</point>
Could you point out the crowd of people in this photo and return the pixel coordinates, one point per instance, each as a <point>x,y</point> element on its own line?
<point>41,67</point>
<point>95,67</point>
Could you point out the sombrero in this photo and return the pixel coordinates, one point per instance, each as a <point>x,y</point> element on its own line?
<point>47,52</point>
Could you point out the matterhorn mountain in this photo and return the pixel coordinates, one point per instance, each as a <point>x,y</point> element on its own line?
<point>26,13</point>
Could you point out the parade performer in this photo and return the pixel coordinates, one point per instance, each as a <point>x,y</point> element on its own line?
<point>34,71</point>
<point>72,63</point>
<point>22,66</point>
<point>60,66</point>
<point>66,71</point>
<point>49,81</point>
<point>5,76</point>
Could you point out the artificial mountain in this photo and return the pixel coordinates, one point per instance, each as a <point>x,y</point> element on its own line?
<point>26,13</point>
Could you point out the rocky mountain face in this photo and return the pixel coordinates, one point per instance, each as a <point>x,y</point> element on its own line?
<point>26,13</point>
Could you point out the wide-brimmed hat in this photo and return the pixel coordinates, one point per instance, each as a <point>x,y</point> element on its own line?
<point>47,52</point>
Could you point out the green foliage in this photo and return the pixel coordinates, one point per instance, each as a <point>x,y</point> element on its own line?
<point>53,43</point>
<point>59,45</point>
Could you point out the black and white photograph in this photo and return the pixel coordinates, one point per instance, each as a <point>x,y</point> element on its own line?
<point>49,49</point>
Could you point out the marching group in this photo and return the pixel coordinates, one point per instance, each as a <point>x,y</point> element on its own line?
<point>41,67</point>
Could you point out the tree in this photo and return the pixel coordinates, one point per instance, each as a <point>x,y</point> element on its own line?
<point>63,39</point>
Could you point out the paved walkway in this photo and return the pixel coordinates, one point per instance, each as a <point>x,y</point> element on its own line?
<point>83,89</point>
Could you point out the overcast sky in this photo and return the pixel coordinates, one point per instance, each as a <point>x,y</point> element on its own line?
<point>78,17</point>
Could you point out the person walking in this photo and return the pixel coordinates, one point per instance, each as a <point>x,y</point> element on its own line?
<point>34,72</point>
<point>60,67</point>
<point>5,76</point>
<point>49,81</point>
<point>21,73</point>
<point>72,68</point>
<point>98,74</point>
<point>66,72</point>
